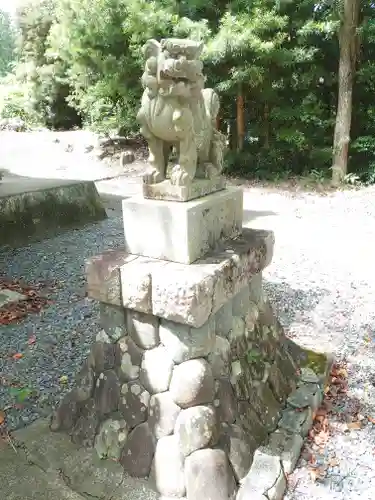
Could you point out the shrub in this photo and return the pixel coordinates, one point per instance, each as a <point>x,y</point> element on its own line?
<point>15,101</point>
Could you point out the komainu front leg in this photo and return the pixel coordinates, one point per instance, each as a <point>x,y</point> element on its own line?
<point>156,160</point>
<point>218,146</point>
<point>184,173</point>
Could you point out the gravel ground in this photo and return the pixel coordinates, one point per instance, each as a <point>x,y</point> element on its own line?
<point>64,330</point>
<point>321,282</point>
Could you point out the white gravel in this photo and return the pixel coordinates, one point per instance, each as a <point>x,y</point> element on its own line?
<point>322,284</point>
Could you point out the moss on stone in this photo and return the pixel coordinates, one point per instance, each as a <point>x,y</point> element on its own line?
<point>253,355</point>
<point>316,361</point>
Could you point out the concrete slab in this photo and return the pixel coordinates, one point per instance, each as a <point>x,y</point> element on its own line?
<point>22,480</point>
<point>34,207</point>
<point>121,187</point>
<point>62,470</point>
<point>8,296</point>
<point>12,184</point>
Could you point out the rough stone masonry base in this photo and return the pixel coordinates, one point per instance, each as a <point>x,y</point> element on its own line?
<point>191,384</point>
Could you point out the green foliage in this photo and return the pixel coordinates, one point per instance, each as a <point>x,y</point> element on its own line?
<point>277,164</point>
<point>14,100</point>
<point>253,356</point>
<point>363,150</point>
<point>44,78</point>
<point>82,62</point>
<point>7,43</point>
<point>100,41</point>
<point>21,394</point>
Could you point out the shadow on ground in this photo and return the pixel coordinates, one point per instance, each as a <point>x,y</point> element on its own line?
<point>250,216</point>
<point>113,204</point>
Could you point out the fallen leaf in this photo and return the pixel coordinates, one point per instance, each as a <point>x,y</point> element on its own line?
<point>321,412</point>
<point>333,391</point>
<point>321,438</point>
<point>15,312</point>
<point>371,420</point>
<point>2,417</point>
<point>320,419</point>
<point>32,340</point>
<point>354,425</point>
<point>341,372</point>
<point>18,355</point>
<point>315,474</point>
<point>20,393</point>
<point>312,459</point>
<point>334,462</point>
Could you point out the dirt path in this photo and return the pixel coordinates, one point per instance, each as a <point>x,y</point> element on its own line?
<point>58,155</point>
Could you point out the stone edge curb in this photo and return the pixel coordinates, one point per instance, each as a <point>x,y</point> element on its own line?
<point>32,213</point>
<point>274,461</point>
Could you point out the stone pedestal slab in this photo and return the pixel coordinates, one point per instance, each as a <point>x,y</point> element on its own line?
<point>198,188</point>
<point>181,232</point>
<point>186,294</point>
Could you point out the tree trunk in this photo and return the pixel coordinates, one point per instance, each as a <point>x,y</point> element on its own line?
<point>232,136</point>
<point>266,126</point>
<point>240,121</point>
<point>218,122</point>
<point>347,65</point>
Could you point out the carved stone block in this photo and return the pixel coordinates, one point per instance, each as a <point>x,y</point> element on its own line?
<point>169,192</point>
<point>187,294</point>
<point>181,232</point>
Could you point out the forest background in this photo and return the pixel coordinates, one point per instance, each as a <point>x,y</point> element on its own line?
<point>296,77</point>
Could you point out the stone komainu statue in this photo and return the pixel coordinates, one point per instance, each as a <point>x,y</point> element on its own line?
<point>176,110</point>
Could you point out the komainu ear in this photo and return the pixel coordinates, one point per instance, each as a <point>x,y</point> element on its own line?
<point>151,48</point>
